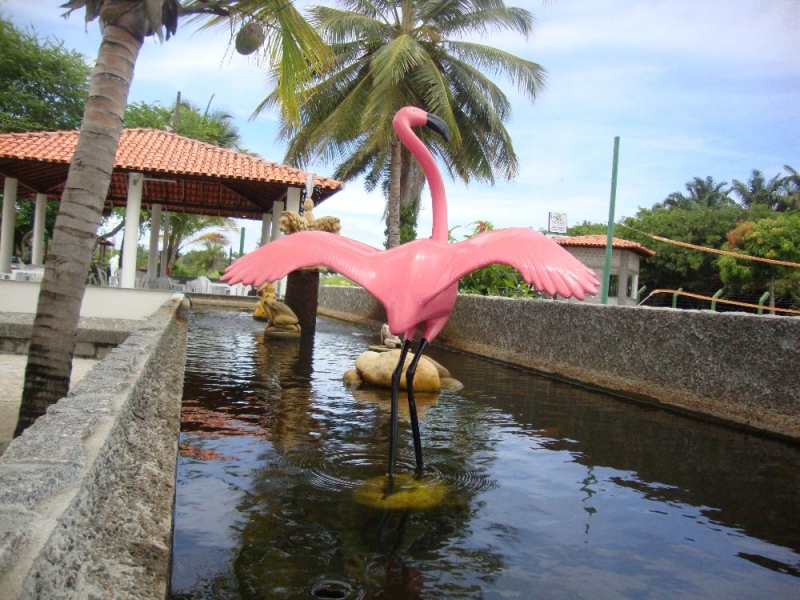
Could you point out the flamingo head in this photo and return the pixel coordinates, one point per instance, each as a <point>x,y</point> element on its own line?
<point>412,116</point>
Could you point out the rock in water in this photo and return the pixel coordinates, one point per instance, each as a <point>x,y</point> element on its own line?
<point>376,368</point>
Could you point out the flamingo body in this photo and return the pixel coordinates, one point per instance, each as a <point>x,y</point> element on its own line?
<point>417,283</point>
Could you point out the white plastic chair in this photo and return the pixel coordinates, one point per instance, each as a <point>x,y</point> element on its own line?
<point>143,280</point>
<point>199,285</point>
<point>162,283</point>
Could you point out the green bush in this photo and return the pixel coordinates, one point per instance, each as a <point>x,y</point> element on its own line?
<point>493,280</point>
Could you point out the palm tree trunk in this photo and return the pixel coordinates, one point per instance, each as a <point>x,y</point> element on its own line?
<point>56,324</point>
<point>393,206</point>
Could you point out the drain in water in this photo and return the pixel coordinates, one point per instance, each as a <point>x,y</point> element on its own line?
<point>330,588</point>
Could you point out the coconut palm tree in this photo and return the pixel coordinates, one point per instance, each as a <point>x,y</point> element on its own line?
<point>702,192</point>
<point>289,43</point>
<point>791,184</point>
<point>390,54</point>
<point>213,126</point>
<point>212,258</point>
<point>183,228</point>
<point>760,192</point>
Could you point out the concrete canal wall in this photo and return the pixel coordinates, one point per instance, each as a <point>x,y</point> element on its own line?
<point>738,368</point>
<point>86,493</point>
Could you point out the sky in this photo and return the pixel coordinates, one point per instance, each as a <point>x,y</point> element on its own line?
<point>692,89</point>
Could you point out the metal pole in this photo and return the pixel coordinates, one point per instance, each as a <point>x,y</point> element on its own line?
<point>761,301</point>
<point>176,114</point>
<point>610,237</point>
<point>241,242</point>
<point>716,295</point>
<point>675,298</point>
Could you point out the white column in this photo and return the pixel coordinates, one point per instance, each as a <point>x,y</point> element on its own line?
<point>155,230</point>
<point>162,270</point>
<point>39,222</point>
<point>7,231</point>
<point>293,199</point>
<point>129,246</point>
<point>292,204</point>
<point>266,227</point>
<point>277,209</point>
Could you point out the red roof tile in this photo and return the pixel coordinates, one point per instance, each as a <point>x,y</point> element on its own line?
<point>599,241</point>
<point>228,182</point>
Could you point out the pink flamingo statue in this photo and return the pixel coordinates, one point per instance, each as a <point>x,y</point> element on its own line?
<point>417,283</point>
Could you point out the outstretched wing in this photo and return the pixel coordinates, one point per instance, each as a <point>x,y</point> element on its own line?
<point>304,249</point>
<point>543,263</point>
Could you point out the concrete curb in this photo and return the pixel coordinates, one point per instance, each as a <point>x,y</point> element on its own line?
<point>96,336</point>
<point>86,493</point>
<point>737,368</point>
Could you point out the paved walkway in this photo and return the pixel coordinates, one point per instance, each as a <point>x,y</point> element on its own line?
<point>12,377</point>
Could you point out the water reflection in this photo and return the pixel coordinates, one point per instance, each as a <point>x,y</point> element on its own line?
<point>738,480</point>
<point>556,491</point>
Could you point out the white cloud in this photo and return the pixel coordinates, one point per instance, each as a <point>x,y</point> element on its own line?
<point>746,31</point>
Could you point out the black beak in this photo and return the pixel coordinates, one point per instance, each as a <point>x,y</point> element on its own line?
<point>438,125</point>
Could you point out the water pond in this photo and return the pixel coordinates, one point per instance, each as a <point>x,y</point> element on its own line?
<point>553,491</point>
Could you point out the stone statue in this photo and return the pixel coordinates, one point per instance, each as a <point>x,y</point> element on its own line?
<point>290,222</point>
<point>281,319</point>
<point>388,339</point>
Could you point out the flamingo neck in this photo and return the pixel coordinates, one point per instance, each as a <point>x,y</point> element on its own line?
<point>434,177</point>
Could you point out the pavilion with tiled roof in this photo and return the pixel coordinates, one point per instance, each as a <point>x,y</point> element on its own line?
<point>180,174</point>
<point>167,172</point>
<point>625,259</point>
<point>600,241</point>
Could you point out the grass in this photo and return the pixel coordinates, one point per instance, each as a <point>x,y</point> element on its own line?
<point>336,279</point>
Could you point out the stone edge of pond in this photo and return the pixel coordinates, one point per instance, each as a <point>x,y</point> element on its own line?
<point>734,368</point>
<point>87,492</point>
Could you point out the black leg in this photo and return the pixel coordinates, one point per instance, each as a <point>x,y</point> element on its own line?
<point>412,404</point>
<point>393,415</point>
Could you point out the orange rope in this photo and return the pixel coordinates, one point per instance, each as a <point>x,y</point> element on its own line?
<point>714,250</point>
<point>709,298</point>
<point>725,252</point>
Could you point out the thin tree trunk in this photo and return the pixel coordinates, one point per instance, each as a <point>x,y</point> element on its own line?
<point>393,206</point>
<point>56,324</point>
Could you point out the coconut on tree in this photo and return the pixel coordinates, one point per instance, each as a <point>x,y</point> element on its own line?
<point>290,46</point>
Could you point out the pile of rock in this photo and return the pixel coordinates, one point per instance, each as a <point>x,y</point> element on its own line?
<point>375,367</point>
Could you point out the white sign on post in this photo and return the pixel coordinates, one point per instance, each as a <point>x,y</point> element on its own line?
<point>557,222</point>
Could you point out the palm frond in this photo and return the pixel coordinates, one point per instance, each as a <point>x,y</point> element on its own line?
<point>459,19</point>
<point>394,61</point>
<point>390,54</point>
<point>530,77</point>
<point>292,51</point>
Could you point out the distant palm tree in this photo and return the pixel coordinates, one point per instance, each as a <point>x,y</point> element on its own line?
<point>212,258</point>
<point>212,126</point>
<point>389,54</point>
<point>184,226</point>
<point>760,192</point>
<point>791,185</point>
<point>291,44</point>
<point>702,192</point>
